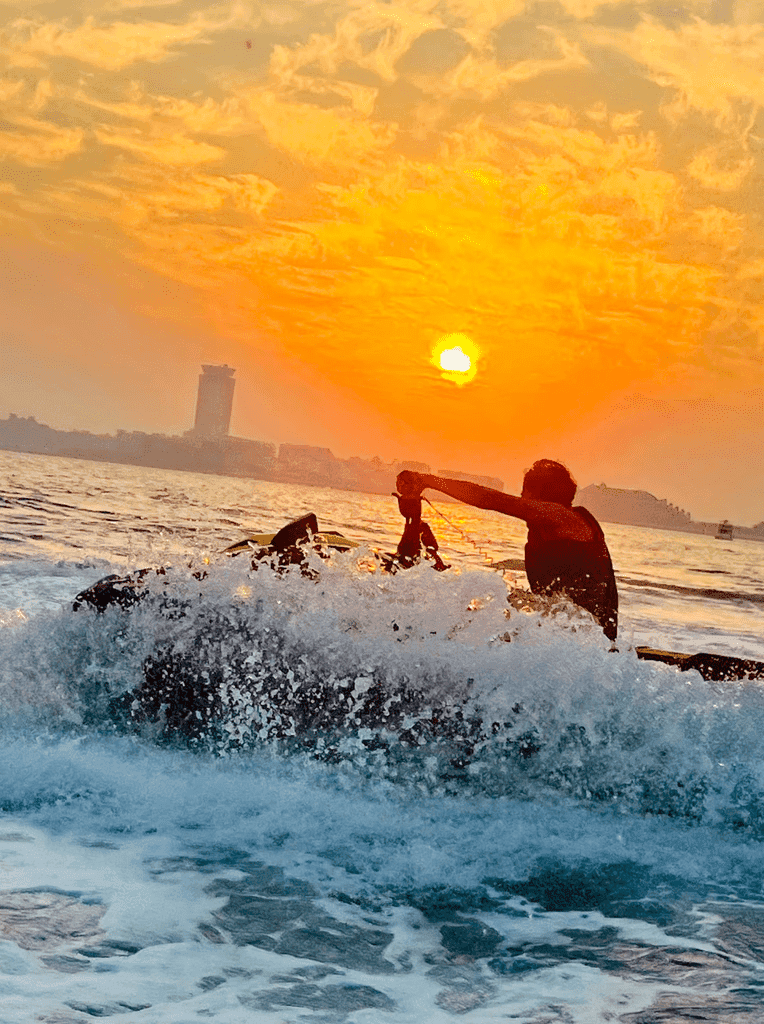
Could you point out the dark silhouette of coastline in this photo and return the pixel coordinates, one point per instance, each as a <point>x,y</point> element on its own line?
<point>640,508</point>
<point>308,464</point>
<point>221,454</point>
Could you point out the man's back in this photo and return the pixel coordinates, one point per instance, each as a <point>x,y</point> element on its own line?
<point>581,569</point>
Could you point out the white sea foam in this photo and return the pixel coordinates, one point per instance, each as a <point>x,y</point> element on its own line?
<point>582,841</point>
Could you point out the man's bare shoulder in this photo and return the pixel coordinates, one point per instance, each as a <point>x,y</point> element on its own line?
<point>561,520</point>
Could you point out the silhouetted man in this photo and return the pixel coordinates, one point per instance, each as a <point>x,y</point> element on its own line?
<point>566,552</point>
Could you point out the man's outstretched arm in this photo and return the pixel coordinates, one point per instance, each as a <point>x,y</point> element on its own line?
<point>412,483</point>
<point>537,513</point>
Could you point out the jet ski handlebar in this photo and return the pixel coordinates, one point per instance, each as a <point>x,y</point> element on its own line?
<point>417,535</point>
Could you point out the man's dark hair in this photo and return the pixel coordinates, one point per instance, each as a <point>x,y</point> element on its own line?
<point>551,481</point>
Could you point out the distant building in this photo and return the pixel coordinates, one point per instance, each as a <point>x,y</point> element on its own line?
<point>296,456</point>
<point>372,476</point>
<point>306,463</point>
<point>249,458</point>
<point>214,402</point>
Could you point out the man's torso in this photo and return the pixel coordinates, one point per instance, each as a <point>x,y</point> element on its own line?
<point>582,570</point>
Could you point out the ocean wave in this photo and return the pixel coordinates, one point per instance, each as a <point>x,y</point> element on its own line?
<point>416,680</point>
<point>704,593</point>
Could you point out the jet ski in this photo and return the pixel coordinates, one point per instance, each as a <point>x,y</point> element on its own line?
<point>180,699</point>
<point>180,694</point>
<point>290,546</point>
<point>278,551</point>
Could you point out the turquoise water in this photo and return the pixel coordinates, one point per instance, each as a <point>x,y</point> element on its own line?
<point>398,815</point>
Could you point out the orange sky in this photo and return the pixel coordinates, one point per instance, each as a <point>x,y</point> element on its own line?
<point>575,186</point>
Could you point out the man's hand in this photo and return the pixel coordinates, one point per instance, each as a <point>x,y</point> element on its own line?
<point>410,484</point>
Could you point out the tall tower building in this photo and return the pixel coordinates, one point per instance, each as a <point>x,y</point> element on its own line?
<point>214,401</point>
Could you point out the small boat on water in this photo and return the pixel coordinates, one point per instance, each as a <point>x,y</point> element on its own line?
<point>724,531</point>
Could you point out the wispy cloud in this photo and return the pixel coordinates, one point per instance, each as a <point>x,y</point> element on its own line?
<point>137,5</point>
<point>37,143</point>
<point>322,137</point>
<point>389,172</point>
<point>710,65</point>
<point>175,149</point>
<point>202,194</point>
<point>32,43</point>
<point>720,168</point>
<point>10,90</point>
<point>478,21</point>
<point>373,36</point>
<point>718,227</point>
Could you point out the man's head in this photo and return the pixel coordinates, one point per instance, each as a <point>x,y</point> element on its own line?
<point>549,481</point>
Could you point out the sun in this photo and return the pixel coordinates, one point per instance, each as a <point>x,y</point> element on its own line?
<point>456,356</point>
<point>455,360</point>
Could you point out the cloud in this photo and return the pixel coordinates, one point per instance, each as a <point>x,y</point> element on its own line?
<point>715,167</point>
<point>185,224</point>
<point>132,5</point>
<point>597,112</point>
<point>333,138</point>
<point>201,194</point>
<point>111,47</point>
<point>526,207</point>
<point>587,8</point>
<point>549,113</point>
<point>37,144</point>
<point>176,149</point>
<point>477,21</point>
<point>136,108</point>
<point>623,170</point>
<point>9,89</point>
<point>717,226</point>
<point>710,65</point>
<point>626,121</point>
<point>33,142</point>
<point>227,117</point>
<point>44,91</point>
<point>484,78</point>
<point>373,36</point>
<point>383,38</point>
<point>713,70</point>
<point>752,270</point>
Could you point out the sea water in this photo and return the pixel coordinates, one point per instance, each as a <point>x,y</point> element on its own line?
<point>409,806</point>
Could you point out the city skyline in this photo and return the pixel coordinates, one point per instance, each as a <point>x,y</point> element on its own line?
<point>220,453</point>
<point>564,193</point>
<point>216,389</point>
